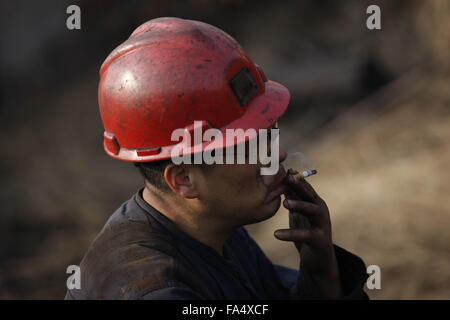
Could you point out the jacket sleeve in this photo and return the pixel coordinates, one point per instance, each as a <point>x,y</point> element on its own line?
<point>353,274</point>
<point>285,283</point>
<point>353,277</point>
<point>172,293</point>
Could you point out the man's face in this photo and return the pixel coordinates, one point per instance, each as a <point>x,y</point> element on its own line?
<point>238,193</point>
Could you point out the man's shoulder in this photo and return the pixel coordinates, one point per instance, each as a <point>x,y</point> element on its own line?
<point>131,255</point>
<point>130,227</point>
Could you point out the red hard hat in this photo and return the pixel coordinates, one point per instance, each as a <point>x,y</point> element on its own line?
<point>171,72</point>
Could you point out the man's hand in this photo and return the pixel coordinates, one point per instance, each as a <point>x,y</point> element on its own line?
<point>313,240</point>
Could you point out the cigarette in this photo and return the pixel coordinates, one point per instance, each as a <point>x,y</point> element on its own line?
<point>305,174</point>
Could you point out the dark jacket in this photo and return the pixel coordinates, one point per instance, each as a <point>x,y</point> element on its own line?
<point>141,254</point>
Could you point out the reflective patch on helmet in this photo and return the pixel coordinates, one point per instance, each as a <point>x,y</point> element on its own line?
<point>244,86</point>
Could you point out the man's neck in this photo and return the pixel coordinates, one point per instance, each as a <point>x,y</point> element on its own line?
<point>199,225</point>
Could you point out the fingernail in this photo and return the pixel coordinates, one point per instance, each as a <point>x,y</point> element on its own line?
<point>278,233</point>
<point>286,203</point>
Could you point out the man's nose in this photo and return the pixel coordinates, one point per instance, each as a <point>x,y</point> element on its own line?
<point>283,154</point>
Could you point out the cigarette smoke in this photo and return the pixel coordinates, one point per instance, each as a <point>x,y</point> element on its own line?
<point>298,161</point>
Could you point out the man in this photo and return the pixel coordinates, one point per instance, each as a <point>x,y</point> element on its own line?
<point>182,236</point>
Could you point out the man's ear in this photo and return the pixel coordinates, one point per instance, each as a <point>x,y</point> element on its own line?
<point>177,178</point>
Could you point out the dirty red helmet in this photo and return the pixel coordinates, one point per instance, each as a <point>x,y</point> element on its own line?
<point>171,72</point>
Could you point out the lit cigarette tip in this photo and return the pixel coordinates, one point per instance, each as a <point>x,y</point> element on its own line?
<point>305,174</point>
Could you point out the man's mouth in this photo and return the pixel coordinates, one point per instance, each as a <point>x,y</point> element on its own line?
<point>278,187</point>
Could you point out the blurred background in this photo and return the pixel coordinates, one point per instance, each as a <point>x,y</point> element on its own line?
<point>370,109</point>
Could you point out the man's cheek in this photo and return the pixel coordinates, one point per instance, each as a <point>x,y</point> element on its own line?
<point>241,187</point>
